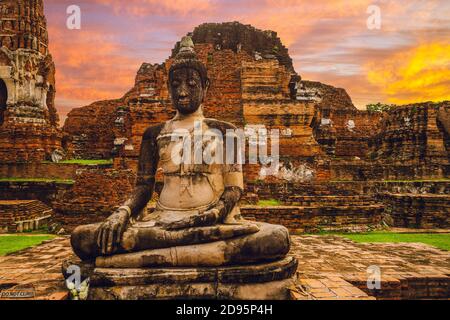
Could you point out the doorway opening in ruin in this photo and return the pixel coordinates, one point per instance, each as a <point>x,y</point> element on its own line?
<point>3,100</point>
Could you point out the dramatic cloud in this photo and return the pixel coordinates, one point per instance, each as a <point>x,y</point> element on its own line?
<point>405,60</point>
<point>420,74</point>
<point>156,7</point>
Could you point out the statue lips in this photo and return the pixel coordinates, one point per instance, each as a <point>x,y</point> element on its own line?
<point>186,106</point>
<point>184,102</point>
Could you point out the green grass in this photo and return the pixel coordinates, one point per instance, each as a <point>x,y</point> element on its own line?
<point>85,162</point>
<point>46,180</point>
<point>439,240</point>
<point>13,243</point>
<point>268,203</point>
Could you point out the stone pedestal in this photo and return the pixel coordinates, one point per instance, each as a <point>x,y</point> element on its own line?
<point>268,281</point>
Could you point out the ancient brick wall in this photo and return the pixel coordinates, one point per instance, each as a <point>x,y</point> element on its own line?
<point>325,96</point>
<point>409,210</point>
<point>96,191</point>
<point>412,140</point>
<point>412,133</point>
<point>47,192</point>
<point>20,216</point>
<point>354,128</point>
<point>60,171</point>
<point>89,130</point>
<point>320,218</point>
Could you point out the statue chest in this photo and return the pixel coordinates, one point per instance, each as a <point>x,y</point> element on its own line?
<point>183,152</point>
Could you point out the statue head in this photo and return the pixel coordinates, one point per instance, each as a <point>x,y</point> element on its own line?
<point>188,79</point>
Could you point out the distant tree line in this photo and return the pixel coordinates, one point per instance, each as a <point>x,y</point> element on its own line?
<point>380,107</point>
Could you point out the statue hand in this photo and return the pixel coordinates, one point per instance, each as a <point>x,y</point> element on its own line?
<point>111,231</point>
<point>207,218</point>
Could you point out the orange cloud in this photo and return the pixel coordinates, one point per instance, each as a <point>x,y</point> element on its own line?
<point>328,41</point>
<point>90,66</point>
<point>156,7</point>
<point>417,75</point>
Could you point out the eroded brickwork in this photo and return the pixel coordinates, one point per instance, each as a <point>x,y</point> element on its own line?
<point>28,118</point>
<point>96,191</point>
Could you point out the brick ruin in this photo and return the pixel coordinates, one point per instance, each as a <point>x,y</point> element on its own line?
<point>342,168</point>
<point>29,128</point>
<point>23,215</point>
<point>28,117</point>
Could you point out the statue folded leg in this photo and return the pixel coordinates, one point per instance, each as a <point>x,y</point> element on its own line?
<point>84,238</point>
<point>268,244</point>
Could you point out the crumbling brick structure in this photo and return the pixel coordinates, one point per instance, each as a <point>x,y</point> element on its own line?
<point>28,118</point>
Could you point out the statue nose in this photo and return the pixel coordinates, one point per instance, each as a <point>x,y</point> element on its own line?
<point>183,92</point>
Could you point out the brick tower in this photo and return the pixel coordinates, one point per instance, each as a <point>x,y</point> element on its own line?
<point>28,118</point>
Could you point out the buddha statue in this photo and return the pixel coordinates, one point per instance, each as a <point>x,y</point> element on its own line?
<point>196,222</point>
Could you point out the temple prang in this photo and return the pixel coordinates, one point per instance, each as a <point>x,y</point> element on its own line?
<point>29,122</point>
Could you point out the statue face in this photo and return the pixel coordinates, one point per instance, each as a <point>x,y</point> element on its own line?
<point>186,90</point>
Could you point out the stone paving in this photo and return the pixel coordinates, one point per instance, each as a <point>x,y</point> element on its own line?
<point>330,267</point>
<point>336,267</point>
<point>39,268</point>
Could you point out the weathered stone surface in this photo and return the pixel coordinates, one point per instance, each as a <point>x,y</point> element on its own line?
<point>408,270</point>
<point>258,282</point>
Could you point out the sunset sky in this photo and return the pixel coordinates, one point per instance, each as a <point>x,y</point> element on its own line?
<point>406,60</point>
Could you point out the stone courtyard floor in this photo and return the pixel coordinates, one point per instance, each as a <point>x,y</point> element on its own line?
<point>330,267</point>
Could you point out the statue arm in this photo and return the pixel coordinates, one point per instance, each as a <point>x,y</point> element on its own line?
<point>111,231</point>
<point>147,167</point>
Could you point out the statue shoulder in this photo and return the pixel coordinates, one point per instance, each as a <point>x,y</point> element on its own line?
<point>223,126</point>
<point>153,131</point>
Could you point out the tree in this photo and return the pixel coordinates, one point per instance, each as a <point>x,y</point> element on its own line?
<point>380,107</point>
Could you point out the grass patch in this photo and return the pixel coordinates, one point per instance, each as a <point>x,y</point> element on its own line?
<point>268,203</point>
<point>439,240</point>
<point>14,243</point>
<point>46,180</point>
<point>85,162</point>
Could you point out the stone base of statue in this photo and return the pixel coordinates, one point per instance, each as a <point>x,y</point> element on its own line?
<point>267,281</point>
